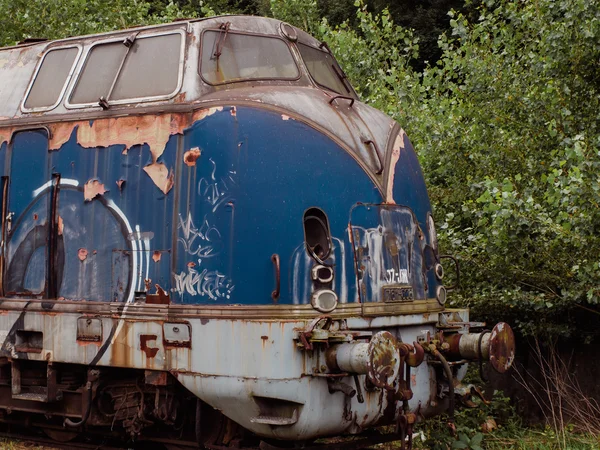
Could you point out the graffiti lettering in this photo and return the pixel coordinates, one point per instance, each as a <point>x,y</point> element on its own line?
<point>216,192</point>
<point>204,241</point>
<point>212,284</point>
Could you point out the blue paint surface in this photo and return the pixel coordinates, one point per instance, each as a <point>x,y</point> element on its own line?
<point>210,239</point>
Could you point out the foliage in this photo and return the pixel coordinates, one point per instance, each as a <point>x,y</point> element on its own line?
<point>435,433</point>
<point>56,19</point>
<point>509,139</point>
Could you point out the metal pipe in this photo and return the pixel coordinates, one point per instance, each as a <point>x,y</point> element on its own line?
<point>68,423</point>
<point>448,372</point>
<point>352,358</point>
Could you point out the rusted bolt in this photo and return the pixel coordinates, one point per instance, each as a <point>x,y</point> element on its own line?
<point>323,368</point>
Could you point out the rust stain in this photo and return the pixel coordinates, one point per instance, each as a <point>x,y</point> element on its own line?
<point>233,111</point>
<point>92,189</point>
<point>35,217</point>
<point>82,254</point>
<point>148,284</point>
<point>190,157</point>
<point>120,184</point>
<point>161,176</point>
<point>144,340</point>
<point>156,256</point>
<point>191,264</point>
<point>502,347</point>
<point>158,298</point>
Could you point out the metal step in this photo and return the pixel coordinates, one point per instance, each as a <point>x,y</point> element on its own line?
<point>276,420</point>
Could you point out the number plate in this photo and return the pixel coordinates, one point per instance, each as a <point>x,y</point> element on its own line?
<point>394,294</point>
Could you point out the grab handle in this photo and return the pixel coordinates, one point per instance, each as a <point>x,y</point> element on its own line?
<point>276,263</point>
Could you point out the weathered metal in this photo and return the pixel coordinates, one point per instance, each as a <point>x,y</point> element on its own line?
<point>502,347</point>
<point>496,346</point>
<point>166,254</point>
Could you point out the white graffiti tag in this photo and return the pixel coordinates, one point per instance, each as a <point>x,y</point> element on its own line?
<point>216,192</point>
<point>212,284</point>
<point>204,241</point>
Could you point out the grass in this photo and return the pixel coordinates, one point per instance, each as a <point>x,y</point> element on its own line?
<point>542,440</point>
<point>9,444</point>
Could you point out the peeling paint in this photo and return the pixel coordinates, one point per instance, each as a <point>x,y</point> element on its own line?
<point>61,226</point>
<point>233,111</point>
<point>398,146</point>
<point>120,184</point>
<point>284,117</point>
<point>5,134</point>
<point>82,254</point>
<point>203,113</point>
<point>160,176</point>
<point>92,189</point>
<point>156,256</point>
<point>190,157</point>
<point>153,130</point>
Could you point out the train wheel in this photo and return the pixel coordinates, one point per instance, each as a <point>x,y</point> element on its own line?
<point>60,435</point>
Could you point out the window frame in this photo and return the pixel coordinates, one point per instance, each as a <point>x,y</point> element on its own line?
<point>154,98</point>
<point>243,80</point>
<point>351,92</point>
<point>66,84</point>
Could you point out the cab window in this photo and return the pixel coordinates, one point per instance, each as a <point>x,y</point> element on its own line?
<point>228,57</point>
<point>324,69</point>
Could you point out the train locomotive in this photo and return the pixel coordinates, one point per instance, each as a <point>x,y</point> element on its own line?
<point>207,236</point>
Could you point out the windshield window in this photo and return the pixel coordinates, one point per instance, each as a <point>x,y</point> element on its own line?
<point>147,67</point>
<point>228,57</point>
<point>324,69</point>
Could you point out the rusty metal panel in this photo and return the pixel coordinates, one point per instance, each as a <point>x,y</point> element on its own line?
<point>89,329</point>
<point>177,334</point>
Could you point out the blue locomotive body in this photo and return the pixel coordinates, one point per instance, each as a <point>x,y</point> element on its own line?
<point>225,217</point>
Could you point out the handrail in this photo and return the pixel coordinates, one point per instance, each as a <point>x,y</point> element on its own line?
<point>345,97</point>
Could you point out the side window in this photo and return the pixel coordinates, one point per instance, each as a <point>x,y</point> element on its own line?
<point>135,68</point>
<point>324,69</point>
<point>229,57</point>
<point>51,78</point>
